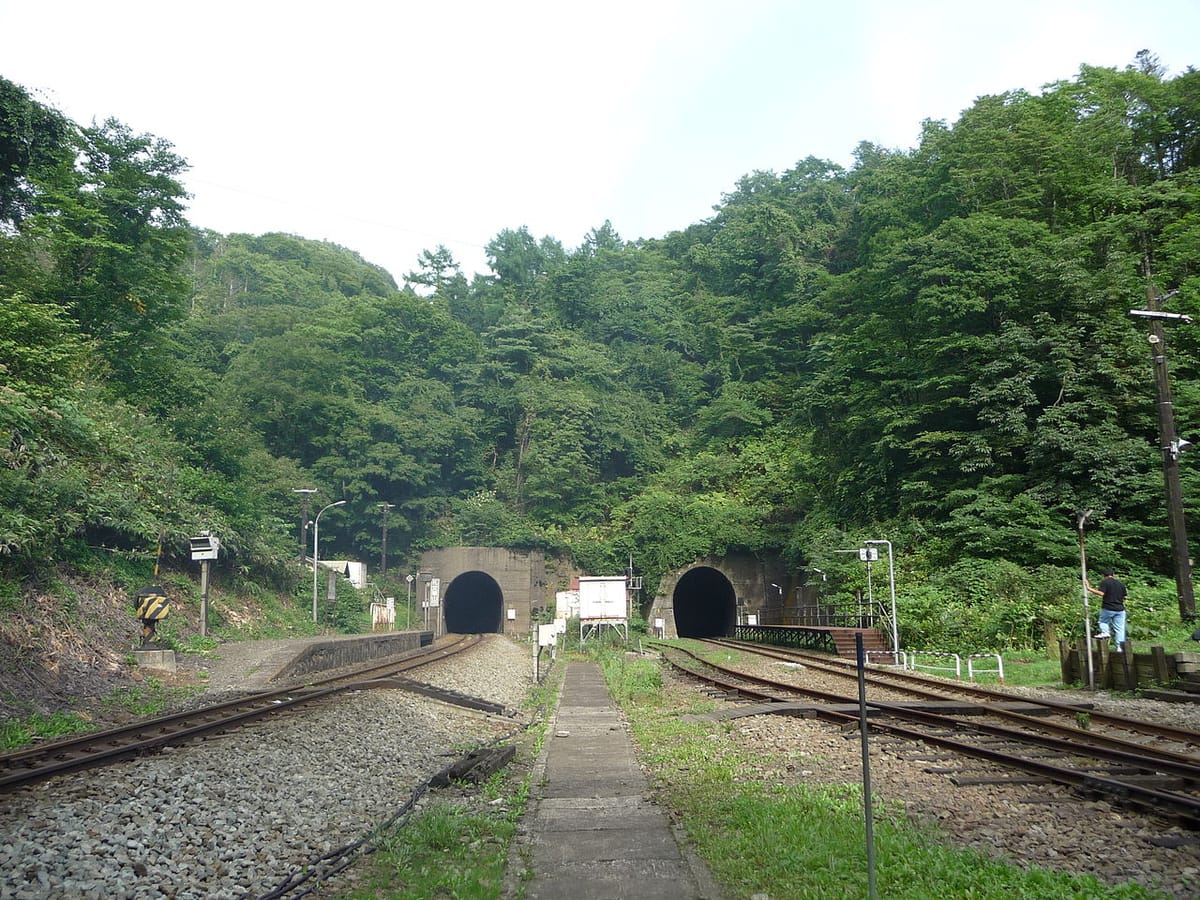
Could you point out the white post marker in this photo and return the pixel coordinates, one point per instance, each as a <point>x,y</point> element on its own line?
<point>892,583</point>
<point>1087,611</point>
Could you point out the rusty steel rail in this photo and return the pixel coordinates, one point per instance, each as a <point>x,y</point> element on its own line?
<point>921,685</point>
<point>99,748</point>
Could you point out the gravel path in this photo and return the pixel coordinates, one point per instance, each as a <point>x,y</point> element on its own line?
<point>237,814</point>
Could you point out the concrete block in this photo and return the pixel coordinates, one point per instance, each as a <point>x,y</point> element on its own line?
<point>155,659</point>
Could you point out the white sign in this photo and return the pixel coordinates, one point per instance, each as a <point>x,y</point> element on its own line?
<point>602,598</point>
<point>868,554</point>
<point>566,604</point>
<point>547,635</point>
<point>207,546</point>
<point>435,591</point>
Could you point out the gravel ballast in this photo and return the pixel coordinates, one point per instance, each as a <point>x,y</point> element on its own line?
<point>237,814</point>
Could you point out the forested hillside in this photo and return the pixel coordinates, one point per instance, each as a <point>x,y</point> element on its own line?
<point>933,346</point>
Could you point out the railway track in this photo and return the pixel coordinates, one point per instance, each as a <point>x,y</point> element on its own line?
<point>923,687</point>
<point>43,761</point>
<point>270,810</point>
<point>1155,780</point>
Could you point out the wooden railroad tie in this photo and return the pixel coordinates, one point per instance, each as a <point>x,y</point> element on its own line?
<point>476,767</point>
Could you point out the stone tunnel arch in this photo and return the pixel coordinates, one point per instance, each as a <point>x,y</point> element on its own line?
<point>473,604</point>
<point>705,604</point>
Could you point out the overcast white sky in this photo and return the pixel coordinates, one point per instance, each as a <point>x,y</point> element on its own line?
<point>392,127</point>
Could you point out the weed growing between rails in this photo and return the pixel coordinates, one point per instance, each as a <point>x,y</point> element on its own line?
<point>458,843</point>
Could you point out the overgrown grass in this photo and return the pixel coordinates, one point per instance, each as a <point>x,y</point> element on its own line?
<point>147,698</point>
<point>445,851</point>
<point>798,840</point>
<point>1028,670</point>
<point>457,849</point>
<point>16,733</point>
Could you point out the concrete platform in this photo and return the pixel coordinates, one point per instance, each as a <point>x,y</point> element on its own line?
<point>591,831</point>
<point>271,664</point>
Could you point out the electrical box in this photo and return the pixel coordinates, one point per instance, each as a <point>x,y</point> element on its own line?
<point>206,546</point>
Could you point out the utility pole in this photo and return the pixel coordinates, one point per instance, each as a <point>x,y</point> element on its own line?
<point>305,493</point>
<point>1170,446</point>
<point>385,506</point>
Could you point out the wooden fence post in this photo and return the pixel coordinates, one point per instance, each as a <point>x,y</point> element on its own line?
<point>1162,671</point>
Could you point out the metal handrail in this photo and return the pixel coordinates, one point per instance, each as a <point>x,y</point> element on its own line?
<point>835,615</point>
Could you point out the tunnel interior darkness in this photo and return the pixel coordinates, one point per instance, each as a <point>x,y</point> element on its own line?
<point>473,604</point>
<point>705,604</point>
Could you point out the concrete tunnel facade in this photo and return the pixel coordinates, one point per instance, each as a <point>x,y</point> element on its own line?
<point>708,597</point>
<point>490,589</point>
<point>496,589</point>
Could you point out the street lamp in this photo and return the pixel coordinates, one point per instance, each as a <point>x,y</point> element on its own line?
<point>892,582</point>
<point>316,532</point>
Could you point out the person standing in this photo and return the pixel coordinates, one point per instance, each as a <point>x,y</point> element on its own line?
<point>1112,607</point>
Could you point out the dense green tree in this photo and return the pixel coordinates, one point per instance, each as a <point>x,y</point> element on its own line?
<point>435,269</point>
<point>932,344</point>
<point>35,143</point>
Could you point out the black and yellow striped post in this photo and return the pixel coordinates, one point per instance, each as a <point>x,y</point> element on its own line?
<point>152,608</point>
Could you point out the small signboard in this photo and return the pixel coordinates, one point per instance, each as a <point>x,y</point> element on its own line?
<point>207,546</point>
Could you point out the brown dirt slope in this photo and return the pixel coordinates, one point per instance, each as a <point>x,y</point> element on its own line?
<point>66,650</point>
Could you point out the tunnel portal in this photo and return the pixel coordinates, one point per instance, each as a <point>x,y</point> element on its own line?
<point>473,604</point>
<point>705,604</point>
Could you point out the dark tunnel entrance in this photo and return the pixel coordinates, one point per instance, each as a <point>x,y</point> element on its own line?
<point>473,603</point>
<point>705,604</point>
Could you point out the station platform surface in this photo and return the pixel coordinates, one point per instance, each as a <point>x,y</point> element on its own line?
<point>590,830</point>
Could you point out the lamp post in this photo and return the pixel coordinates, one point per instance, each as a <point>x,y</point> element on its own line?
<point>316,533</point>
<point>892,582</point>
<point>305,493</point>
<point>409,579</point>
<point>1170,446</point>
